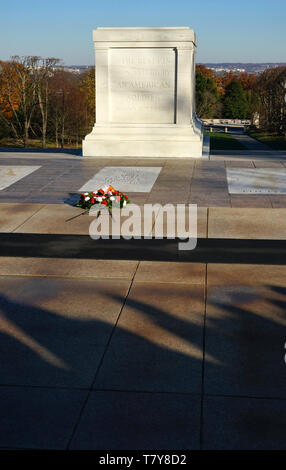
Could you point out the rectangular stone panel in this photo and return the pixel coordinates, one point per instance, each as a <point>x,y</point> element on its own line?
<point>124,178</point>
<point>10,174</point>
<point>256,180</point>
<point>142,85</point>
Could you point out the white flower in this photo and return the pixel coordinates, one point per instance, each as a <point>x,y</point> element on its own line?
<point>99,199</point>
<point>85,194</point>
<point>87,198</point>
<point>124,203</point>
<point>112,198</point>
<point>105,188</point>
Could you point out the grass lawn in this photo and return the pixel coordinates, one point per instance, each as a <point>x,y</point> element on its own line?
<point>32,143</point>
<point>221,141</point>
<point>274,141</point>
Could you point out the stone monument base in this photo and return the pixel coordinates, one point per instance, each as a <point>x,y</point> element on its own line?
<point>145,94</point>
<point>156,141</point>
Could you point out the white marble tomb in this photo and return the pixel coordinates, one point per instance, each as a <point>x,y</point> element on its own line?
<point>145,94</point>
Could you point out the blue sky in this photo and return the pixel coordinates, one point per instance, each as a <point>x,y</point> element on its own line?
<point>228,31</point>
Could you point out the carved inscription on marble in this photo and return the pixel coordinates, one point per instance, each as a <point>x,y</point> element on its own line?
<point>142,85</point>
<point>127,178</point>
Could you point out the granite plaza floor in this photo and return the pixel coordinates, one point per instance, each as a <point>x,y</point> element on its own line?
<point>127,349</point>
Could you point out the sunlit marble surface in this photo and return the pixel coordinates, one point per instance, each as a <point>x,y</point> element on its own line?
<point>256,180</point>
<point>124,178</point>
<point>10,174</point>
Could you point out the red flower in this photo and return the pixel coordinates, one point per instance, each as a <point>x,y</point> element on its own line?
<point>102,194</point>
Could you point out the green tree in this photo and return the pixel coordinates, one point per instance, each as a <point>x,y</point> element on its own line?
<point>206,95</point>
<point>235,103</point>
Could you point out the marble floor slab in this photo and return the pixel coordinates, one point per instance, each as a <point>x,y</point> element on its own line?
<point>54,331</point>
<point>10,174</point>
<point>38,418</point>
<point>124,178</point>
<point>121,420</point>
<point>256,180</point>
<point>236,423</point>
<point>247,223</point>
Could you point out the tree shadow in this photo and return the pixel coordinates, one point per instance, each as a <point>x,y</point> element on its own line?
<point>45,347</point>
<point>238,353</point>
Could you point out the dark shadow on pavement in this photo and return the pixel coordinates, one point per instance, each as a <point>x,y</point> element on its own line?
<point>208,250</point>
<point>71,151</point>
<point>69,380</point>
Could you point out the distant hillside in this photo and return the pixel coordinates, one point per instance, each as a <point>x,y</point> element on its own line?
<point>242,66</point>
<point>217,68</point>
<point>77,69</point>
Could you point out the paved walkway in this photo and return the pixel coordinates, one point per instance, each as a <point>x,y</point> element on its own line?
<point>250,143</point>
<point>104,354</point>
<point>108,352</point>
<point>201,182</point>
<point>213,222</point>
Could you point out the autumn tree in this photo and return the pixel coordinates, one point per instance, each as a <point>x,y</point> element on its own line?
<point>9,99</point>
<point>76,124</point>
<point>87,87</point>
<point>247,80</point>
<point>24,84</point>
<point>204,70</point>
<point>18,94</point>
<point>42,76</point>
<point>60,89</point>
<point>227,78</point>
<point>72,107</point>
<point>20,77</point>
<point>270,88</point>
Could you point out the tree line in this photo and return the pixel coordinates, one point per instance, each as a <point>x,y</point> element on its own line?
<point>41,100</point>
<point>243,96</point>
